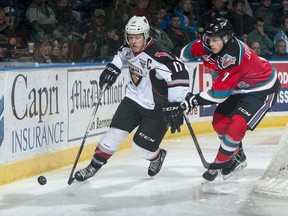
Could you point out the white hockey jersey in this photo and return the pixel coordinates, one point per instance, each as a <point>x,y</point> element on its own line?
<point>157,76</point>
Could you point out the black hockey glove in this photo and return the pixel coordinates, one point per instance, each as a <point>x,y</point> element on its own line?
<point>190,102</point>
<point>109,75</point>
<point>174,116</point>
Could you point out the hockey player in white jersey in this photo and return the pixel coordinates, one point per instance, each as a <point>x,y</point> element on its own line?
<point>157,77</point>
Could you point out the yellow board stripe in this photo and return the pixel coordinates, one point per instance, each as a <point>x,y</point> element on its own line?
<point>48,162</point>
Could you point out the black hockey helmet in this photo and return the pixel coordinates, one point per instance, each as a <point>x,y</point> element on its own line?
<point>220,27</point>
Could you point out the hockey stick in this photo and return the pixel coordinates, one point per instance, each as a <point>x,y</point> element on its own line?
<point>193,79</point>
<point>71,177</point>
<point>192,133</point>
<point>204,162</point>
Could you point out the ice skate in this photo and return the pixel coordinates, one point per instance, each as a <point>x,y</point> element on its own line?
<point>239,164</point>
<point>88,172</point>
<point>155,165</point>
<point>210,174</point>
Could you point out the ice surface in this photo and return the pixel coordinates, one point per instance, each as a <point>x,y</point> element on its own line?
<point>123,188</point>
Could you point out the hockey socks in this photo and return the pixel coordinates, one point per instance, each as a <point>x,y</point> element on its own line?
<point>239,164</point>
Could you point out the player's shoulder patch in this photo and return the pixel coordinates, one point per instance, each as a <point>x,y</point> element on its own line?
<point>227,60</point>
<point>231,56</point>
<point>158,52</point>
<point>163,54</point>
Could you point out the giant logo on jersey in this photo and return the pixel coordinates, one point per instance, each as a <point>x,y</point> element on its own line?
<point>227,60</point>
<point>136,74</point>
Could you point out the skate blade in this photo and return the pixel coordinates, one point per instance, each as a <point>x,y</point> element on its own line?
<point>237,169</point>
<point>205,181</point>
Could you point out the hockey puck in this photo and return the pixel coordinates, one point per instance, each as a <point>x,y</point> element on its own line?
<point>42,180</point>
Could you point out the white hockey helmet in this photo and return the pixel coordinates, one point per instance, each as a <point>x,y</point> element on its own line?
<point>137,25</point>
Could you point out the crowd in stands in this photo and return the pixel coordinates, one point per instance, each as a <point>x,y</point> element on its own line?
<point>58,31</point>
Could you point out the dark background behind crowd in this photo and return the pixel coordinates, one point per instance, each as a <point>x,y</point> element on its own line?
<point>66,31</point>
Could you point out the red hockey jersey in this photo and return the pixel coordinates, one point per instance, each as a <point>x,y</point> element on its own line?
<point>235,70</point>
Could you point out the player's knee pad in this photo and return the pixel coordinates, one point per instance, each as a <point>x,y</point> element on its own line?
<point>220,123</point>
<point>237,128</point>
<point>112,139</point>
<point>144,153</point>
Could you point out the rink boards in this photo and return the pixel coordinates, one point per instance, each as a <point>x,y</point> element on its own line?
<point>44,113</point>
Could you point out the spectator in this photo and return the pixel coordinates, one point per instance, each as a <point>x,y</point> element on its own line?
<point>188,21</point>
<point>97,32</point>
<point>10,14</point>
<point>112,39</point>
<point>102,52</point>
<point>240,19</point>
<point>2,53</point>
<point>283,33</point>
<point>88,54</point>
<point>2,18</point>
<point>259,35</point>
<point>55,52</point>
<point>265,12</point>
<point>218,10</point>
<point>5,24</point>
<point>7,29</point>
<point>246,7</point>
<point>64,50</point>
<point>20,35</point>
<point>162,8</point>
<point>77,42</point>
<point>255,46</point>
<point>60,30</point>
<point>119,13</point>
<point>66,17</point>
<point>157,33</point>
<point>280,14</point>
<point>41,17</point>
<point>3,48</point>
<point>179,37</point>
<point>19,8</point>
<point>43,50</point>
<point>280,51</point>
<point>8,55</point>
<point>140,8</point>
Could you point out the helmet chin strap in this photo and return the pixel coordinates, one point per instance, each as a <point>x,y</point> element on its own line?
<point>145,43</point>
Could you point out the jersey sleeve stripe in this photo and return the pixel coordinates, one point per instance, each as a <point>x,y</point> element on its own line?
<point>186,54</point>
<point>178,82</point>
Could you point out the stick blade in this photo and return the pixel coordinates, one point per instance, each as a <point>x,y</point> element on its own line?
<point>71,180</point>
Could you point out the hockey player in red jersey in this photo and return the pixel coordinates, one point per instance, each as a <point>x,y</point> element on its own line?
<point>157,77</point>
<point>245,87</point>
